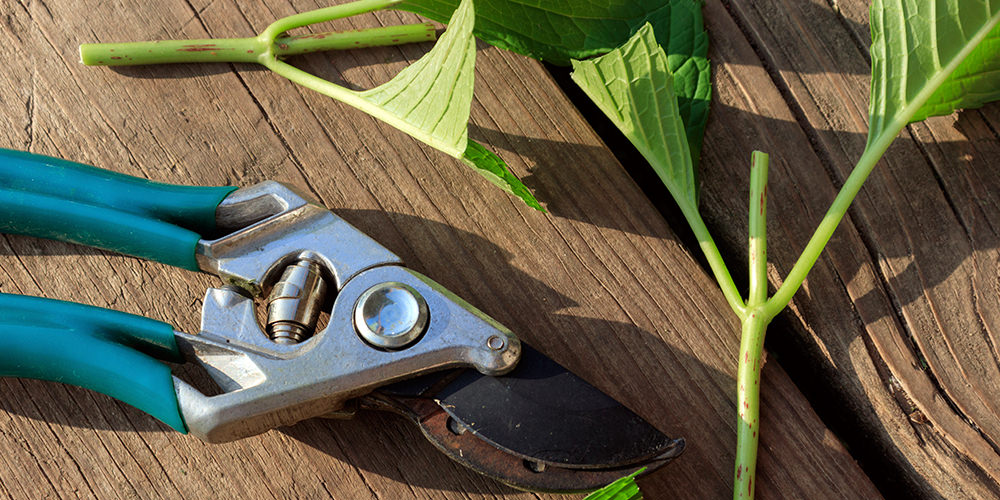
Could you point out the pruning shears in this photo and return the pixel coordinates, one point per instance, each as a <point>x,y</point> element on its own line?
<point>395,340</point>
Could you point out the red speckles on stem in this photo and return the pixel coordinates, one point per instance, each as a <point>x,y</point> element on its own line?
<point>746,405</point>
<point>283,46</point>
<point>750,486</point>
<point>204,47</point>
<point>739,472</point>
<point>762,203</point>
<point>250,51</point>
<point>116,58</point>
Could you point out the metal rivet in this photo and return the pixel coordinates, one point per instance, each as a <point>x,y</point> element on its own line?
<point>390,315</point>
<point>496,343</point>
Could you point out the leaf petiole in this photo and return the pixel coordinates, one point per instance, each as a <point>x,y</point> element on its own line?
<point>715,261</point>
<point>810,254</point>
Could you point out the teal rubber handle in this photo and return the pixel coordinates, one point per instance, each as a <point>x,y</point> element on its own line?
<point>110,352</point>
<point>62,200</point>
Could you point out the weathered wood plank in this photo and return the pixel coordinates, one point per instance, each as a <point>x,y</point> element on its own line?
<point>601,284</point>
<point>900,315</point>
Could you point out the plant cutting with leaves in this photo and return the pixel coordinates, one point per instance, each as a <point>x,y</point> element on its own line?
<point>429,100</point>
<point>928,59</point>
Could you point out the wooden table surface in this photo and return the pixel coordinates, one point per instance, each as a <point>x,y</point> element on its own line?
<point>893,338</point>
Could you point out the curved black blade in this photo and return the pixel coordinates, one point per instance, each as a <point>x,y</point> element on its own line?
<point>542,412</point>
<point>539,427</point>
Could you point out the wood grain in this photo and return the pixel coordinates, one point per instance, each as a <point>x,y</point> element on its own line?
<point>601,284</point>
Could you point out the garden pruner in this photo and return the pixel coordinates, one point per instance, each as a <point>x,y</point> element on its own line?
<point>394,340</point>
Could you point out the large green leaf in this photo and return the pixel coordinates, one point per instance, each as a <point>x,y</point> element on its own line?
<point>558,31</point>
<point>931,57</point>
<point>633,86</point>
<point>430,99</point>
<point>554,31</point>
<point>686,46</point>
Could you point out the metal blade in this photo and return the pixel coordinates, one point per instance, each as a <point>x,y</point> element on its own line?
<point>540,427</point>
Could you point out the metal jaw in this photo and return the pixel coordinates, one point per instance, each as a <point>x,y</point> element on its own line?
<point>267,384</point>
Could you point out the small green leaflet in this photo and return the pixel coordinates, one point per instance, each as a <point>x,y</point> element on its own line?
<point>495,170</point>
<point>633,86</point>
<point>622,489</point>
<point>577,29</point>
<point>930,58</point>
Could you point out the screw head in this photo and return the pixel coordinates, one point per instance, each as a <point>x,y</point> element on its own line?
<point>496,343</point>
<point>390,315</point>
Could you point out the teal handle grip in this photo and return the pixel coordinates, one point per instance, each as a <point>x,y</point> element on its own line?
<point>110,352</point>
<point>58,199</point>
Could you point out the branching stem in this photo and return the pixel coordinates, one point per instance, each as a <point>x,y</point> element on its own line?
<point>752,340</point>
<point>269,45</point>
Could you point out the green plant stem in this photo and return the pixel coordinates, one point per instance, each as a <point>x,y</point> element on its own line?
<point>752,339</point>
<point>248,50</point>
<point>758,229</point>
<point>832,218</point>
<point>748,402</point>
<point>322,15</point>
<point>715,261</point>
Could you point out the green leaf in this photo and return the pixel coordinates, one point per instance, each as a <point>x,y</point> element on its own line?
<point>577,29</point>
<point>430,99</point>
<point>633,86</point>
<point>554,31</point>
<point>931,58</point>
<point>685,41</point>
<point>622,489</point>
<point>495,170</point>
